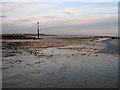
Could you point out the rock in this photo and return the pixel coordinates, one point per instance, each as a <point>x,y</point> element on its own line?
<point>18,62</point>
<point>96,52</point>
<point>83,54</point>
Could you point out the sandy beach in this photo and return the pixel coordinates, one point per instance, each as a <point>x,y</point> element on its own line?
<point>59,63</point>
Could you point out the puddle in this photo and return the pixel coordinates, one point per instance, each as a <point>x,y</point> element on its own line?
<point>100,46</point>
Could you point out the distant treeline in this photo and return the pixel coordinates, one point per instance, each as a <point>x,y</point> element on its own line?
<point>16,37</point>
<point>26,35</point>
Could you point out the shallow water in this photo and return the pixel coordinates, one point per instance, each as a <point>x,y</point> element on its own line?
<point>65,69</point>
<point>63,36</point>
<point>98,45</point>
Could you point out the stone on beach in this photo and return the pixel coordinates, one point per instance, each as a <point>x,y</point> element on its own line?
<point>25,46</point>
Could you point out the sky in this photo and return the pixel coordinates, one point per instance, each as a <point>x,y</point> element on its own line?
<point>61,18</point>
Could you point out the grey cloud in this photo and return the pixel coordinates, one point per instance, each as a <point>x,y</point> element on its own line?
<point>69,12</point>
<point>50,17</point>
<point>23,20</point>
<point>16,28</point>
<point>8,7</point>
<point>3,16</point>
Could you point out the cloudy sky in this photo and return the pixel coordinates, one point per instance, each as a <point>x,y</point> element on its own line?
<point>74,18</point>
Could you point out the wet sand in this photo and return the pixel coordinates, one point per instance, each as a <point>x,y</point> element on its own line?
<point>112,46</point>
<point>59,63</point>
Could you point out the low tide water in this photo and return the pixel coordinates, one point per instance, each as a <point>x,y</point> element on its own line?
<point>65,69</point>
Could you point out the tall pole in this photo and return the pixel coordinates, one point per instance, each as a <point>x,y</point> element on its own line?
<point>38,29</point>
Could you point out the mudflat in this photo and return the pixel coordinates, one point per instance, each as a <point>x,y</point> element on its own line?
<point>59,63</point>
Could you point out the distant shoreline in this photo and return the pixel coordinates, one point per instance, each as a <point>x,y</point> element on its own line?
<point>32,36</point>
<point>22,36</point>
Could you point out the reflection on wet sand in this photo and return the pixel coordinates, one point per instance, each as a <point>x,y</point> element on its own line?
<point>67,63</point>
